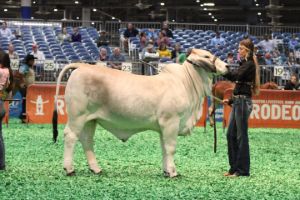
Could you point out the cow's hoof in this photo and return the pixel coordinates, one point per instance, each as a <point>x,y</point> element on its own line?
<point>71,173</point>
<point>169,175</point>
<point>96,172</point>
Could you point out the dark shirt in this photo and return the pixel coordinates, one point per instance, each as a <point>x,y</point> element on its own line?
<point>244,77</point>
<point>102,41</point>
<point>291,86</point>
<point>175,53</point>
<point>76,38</point>
<point>131,33</point>
<point>168,32</point>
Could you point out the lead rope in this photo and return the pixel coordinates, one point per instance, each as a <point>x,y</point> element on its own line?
<point>214,120</point>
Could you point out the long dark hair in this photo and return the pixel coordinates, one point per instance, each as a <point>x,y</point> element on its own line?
<point>251,56</point>
<point>5,62</point>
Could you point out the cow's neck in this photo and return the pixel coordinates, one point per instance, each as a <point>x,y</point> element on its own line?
<point>199,79</point>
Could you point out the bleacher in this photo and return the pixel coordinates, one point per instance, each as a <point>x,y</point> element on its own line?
<point>46,39</point>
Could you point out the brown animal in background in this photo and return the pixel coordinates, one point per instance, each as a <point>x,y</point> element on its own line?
<point>219,89</point>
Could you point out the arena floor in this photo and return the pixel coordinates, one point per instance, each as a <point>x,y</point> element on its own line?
<point>132,170</point>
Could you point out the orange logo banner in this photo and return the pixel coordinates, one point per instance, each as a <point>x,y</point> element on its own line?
<point>272,109</point>
<point>40,104</point>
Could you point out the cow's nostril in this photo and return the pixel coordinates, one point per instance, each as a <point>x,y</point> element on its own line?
<point>228,67</point>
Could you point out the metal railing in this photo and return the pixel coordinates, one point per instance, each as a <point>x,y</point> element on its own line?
<point>48,71</point>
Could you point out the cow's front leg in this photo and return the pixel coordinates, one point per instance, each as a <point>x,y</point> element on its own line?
<point>168,139</point>
<point>70,141</point>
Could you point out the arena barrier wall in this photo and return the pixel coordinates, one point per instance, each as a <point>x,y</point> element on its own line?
<point>271,109</point>
<point>40,104</point>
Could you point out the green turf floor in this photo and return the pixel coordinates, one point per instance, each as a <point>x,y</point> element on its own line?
<point>132,170</point>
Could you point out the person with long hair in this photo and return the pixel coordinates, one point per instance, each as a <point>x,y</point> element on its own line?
<point>5,87</point>
<point>247,82</point>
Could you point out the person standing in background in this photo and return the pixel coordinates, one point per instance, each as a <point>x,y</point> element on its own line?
<point>5,85</point>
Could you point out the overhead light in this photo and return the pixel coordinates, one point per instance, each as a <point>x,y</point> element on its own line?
<point>93,23</point>
<point>198,1</point>
<point>215,20</point>
<point>94,10</point>
<point>173,20</point>
<point>201,5</point>
<point>259,13</point>
<point>209,4</point>
<point>204,8</point>
<point>212,17</point>
<point>113,18</point>
<point>76,2</point>
<point>255,0</point>
<point>55,10</point>
<point>162,3</point>
<point>5,10</point>
<point>32,17</point>
<point>34,2</point>
<point>77,18</point>
<point>209,13</point>
<point>257,4</point>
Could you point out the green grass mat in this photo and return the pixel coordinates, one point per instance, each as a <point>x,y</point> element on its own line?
<point>132,170</point>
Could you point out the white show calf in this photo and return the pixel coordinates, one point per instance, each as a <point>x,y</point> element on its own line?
<point>124,104</point>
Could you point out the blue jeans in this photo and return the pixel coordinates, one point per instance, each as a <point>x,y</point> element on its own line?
<point>2,148</point>
<point>237,136</point>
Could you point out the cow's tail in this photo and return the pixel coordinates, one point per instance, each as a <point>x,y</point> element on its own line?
<point>55,114</point>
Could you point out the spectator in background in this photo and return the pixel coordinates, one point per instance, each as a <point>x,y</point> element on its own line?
<point>76,36</point>
<point>103,56</point>
<point>164,53</point>
<point>293,43</point>
<point>17,34</point>
<point>149,54</point>
<point>40,61</point>
<point>267,44</point>
<point>116,59</point>
<point>230,58</point>
<point>28,78</point>
<point>260,57</point>
<point>129,32</point>
<point>12,54</point>
<point>151,34</point>
<point>5,31</point>
<point>293,84</point>
<point>176,52</point>
<point>182,57</point>
<point>291,59</point>
<point>5,78</point>
<point>37,53</point>
<point>217,41</point>
<point>103,39</point>
<point>143,40</point>
<point>162,38</point>
<point>166,29</point>
<point>64,36</point>
<point>268,59</point>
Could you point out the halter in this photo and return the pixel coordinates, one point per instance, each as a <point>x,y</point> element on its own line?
<point>203,66</point>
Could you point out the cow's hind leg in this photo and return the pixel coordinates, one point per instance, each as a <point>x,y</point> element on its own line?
<point>70,140</point>
<point>87,141</point>
<point>168,139</point>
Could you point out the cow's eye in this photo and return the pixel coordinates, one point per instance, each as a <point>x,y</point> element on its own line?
<point>206,56</point>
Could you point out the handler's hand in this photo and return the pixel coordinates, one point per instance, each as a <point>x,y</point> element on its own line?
<point>225,101</point>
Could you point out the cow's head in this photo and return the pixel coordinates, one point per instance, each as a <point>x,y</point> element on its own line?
<point>204,59</point>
